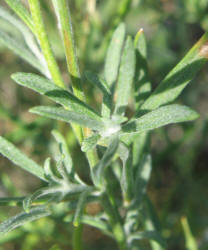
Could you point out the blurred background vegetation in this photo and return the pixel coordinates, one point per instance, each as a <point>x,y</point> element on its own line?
<point>178,186</point>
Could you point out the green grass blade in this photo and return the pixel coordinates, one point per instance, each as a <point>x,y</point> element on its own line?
<point>19,49</point>
<point>178,78</point>
<point>102,85</point>
<point>68,116</point>
<point>8,150</point>
<point>114,55</point>
<point>22,12</point>
<point>22,218</point>
<point>125,77</point>
<point>55,93</point>
<point>160,117</point>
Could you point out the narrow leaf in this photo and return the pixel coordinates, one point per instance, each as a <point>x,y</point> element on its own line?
<point>125,77</point>
<point>67,160</point>
<point>178,78</point>
<point>114,55</point>
<point>149,235</point>
<point>80,208</point>
<point>55,93</point>
<point>90,142</point>
<point>8,150</point>
<point>22,12</point>
<point>29,38</point>
<point>142,178</point>
<point>98,82</point>
<point>127,180</point>
<point>142,84</point>
<point>97,223</point>
<point>98,170</point>
<point>102,85</point>
<point>160,117</point>
<point>191,243</point>
<point>19,49</point>
<point>67,116</point>
<point>22,218</point>
<point>50,192</point>
<point>49,175</point>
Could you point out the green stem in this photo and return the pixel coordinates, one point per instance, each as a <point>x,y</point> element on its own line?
<point>63,14</point>
<point>115,222</point>
<point>65,24</point>
<point>44,42</point>
<point>77,235</point>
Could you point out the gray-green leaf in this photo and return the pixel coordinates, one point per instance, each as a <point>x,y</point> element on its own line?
<point>150,235</point>
<point>114,54</point>
<point>90,142</point>
<point>68,116</point>
<point>8,150</point>
<point>160,117</point>
<point>55,93</point>
<point>22,218</point>
<point>125,77</point>
<point>173,84</point>
<point>102,85</point>
<point>19,49</point>
<point>98,170</point>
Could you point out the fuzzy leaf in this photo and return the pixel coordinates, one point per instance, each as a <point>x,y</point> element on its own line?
<point>22,218</point>
<point>67,116</point>
<point>125,77</point>
<point>19,49</point>
<point>93,221</point>
<point>142,178</point>
<point>50,192</point>
<point>160,117</point>
<point>8,150</point>
<point>90,142</point>
<point>173,84</point>
<point>149,235</point>
<point>49,175</point>
<point>67,160</point>
<point>98,170</point>
<point>102,85</point>
<point>29,38</point>
<point>142,84</point>
<point>55,93</point>
<point>80,207</point>
<point>114,54</point>
<point>22,12</point>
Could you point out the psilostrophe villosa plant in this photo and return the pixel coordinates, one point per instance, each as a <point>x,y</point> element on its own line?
<point>115,143</point>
